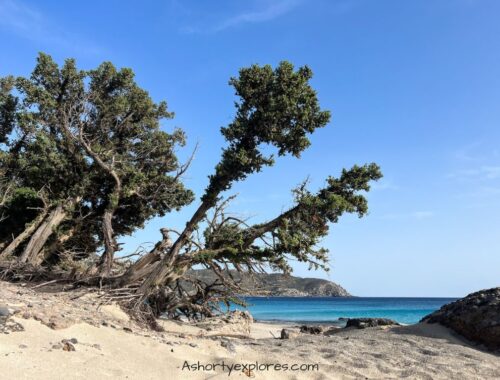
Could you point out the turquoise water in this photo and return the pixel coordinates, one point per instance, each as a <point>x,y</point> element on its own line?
<point>330,309</point>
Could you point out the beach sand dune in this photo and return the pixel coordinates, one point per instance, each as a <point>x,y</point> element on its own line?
<point>108,345</point>
<point>413,352</point>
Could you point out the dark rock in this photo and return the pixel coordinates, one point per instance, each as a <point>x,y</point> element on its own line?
<point>127,329</point>
<point>193,344</point>
<point>315,330</point>
<point>476,317</point>
<point>332,331</point>
<point>288,334</point>
<point>4,311</point>
<point>67,346</point>
<point>362,323</point>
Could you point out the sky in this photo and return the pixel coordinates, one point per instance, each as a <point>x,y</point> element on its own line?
<point>412,85</point>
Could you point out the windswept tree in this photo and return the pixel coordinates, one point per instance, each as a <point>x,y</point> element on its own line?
<point>89,146</point>
<point>83,161</point>
<point>276,108</point>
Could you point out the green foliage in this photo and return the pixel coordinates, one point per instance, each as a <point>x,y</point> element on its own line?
<point>66,127</point>
<point>277,107</point>
<point>8,106</point>
<point>20,209</point>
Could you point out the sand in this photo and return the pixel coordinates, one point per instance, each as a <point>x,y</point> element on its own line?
<point>103,352</point>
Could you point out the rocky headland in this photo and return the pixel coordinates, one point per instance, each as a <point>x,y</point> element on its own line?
<point>276,284</point>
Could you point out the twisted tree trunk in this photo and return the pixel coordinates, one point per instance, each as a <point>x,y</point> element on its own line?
<point>57,245</point>
<point>146,264</point>
<point>164,272</point>
<point>110,244</point>
<point>42,234</point>
<point>57,215</point>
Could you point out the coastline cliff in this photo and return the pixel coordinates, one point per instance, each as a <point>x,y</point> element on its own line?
<point>277,284</point>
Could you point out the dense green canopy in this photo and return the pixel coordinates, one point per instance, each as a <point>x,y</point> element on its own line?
<point>67,134</point>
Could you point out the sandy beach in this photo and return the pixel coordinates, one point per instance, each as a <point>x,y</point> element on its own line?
<point>107,345</point>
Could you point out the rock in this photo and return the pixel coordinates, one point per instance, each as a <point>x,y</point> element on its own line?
<point>332,331</point>
<point>476,317</point>
<point>23,346</point>
<point>7,326</point>
<point>67,346</point>
<point>72,341</point>
<point>57,346</point>
<point>315,330</point>
<point>288,334</point>
<point>127,329</point>
<point>193,344</point>
<point>96,346</point>
<point>362,323</point>
<point>4,311</point>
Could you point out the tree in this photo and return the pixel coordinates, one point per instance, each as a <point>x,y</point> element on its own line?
<point>84,161</point>
<point>89,143</point>
<point>277,108</point>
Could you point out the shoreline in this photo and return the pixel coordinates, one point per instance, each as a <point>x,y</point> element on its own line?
<point>103,343</point>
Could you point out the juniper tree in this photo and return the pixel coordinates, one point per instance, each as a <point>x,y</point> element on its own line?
<point>91,143</point>
<point>277,108</point>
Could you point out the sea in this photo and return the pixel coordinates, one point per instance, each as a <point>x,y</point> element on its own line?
<point>334,309</point>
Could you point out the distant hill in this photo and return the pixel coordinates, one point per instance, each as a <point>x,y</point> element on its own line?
<point>275,284</point>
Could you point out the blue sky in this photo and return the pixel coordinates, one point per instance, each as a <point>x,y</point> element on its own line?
<point>413,86</point>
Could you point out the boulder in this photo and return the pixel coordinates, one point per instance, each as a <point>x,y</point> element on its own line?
<point>362,323</point>
<point>67,346</point>
<point>332,330</point>
<point>475,317</point>
<point>315,330</point>
<point>4,311</point>
<point>288,334</point>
